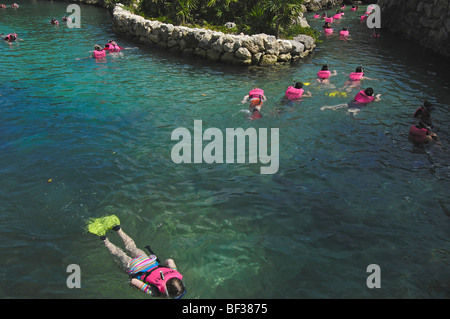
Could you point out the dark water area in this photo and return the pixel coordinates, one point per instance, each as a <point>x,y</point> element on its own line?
<point>81,139</point>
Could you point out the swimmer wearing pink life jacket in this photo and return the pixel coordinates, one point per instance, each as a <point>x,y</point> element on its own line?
<point>344,33</point>
<point>112,46</point>
<point>11,37</point>
<point>54,21</point>
<point>256,98</point>
<point>327,28</point>
<point>424,112</point>
<point>363,98</point>
<point>296,92</point>
<point>324,74</point>
<point>98,53</point>
<point>147,273</point>
<point>421,133</point>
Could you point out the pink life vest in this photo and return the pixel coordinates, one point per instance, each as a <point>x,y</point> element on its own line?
<point>353,9</point>
<point>344,33</point>
<point>256,93</point>
<point>330,19</point>
<point>158,277</point>
<point>356,76</point>
<point>324,74</point>
<point>328,31</point>
<point>112,48</point>
<point>417,134</point>
<point>99,54</point>
<point>8,37</point>
<point>361,97</point>
<point>337,16</point>
<point>292,93</point>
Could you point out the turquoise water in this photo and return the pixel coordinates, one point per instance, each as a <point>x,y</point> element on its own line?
<point>82,139</point>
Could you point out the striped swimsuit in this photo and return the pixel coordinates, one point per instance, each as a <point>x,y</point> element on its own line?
<point>142,263</point>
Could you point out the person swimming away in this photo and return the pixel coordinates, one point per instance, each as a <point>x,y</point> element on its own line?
<point>10,37</point>
<point>323,76</point>
<point>112,46</point>
<point>424,112</point>
<point>344,33</point>
<point>296,92</point>
<point>421,133</point>
<point>53,21</point>
<point>355,79</point>
<point>327,28</point>
<point>256,98</point>
<point>361,99</point>
<point>99,54</point>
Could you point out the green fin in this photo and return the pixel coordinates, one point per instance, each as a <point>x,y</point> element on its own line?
<point>99,226</point>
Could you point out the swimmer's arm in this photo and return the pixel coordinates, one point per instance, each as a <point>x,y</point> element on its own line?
<point>307,94</point>
<point>334,73</point>
<point>170,263</point>
<point>245,99</point>
<point>377,97</point>
<point>141,286</point>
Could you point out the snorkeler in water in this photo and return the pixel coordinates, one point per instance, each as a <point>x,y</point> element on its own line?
<point>323,76</point>
<point>256,98</point>
<point>147,273</point>
<point>361,99</point>
<point>421,132</point>
<point>296,92</point>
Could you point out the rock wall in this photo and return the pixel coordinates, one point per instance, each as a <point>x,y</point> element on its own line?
<point>315,5</point>
<point>259,49</point>
<point>426,22</point>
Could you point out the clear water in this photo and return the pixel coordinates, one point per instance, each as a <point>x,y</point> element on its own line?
<point>81,139</point>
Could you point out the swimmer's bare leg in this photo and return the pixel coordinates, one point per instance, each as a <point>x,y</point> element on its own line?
<point>116,251</point>
<point>334,107</point>
<point>130,245</point>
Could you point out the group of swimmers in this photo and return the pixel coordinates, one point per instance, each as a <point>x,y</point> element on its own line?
<point>14,5</point>
<point>419,133</point>
<point>296,92</point>
<point>344,33</point>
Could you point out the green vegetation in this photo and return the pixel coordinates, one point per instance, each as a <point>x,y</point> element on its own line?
<point>277,17</point>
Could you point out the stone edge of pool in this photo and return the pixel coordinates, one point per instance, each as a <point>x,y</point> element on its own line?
<point>259,49</point>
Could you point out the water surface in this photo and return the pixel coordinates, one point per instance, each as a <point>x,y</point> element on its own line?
<point>82,139</point>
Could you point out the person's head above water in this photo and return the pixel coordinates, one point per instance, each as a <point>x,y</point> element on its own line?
<point>368,91</point>
<point>97,47</point>
<point>325,67</point>
<point>428,106</point>
<point>175,288</point>
<point>359,69</point>
<point>298,85</point>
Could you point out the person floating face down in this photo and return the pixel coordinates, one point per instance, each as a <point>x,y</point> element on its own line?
<point>98,53</point>
<point>323,76</point>
<point>256,99</point>
<point>421,132</point>
<point>296,92</point>
<point>146,272</point>
<point>363,98</point>
<point>10,37</point>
